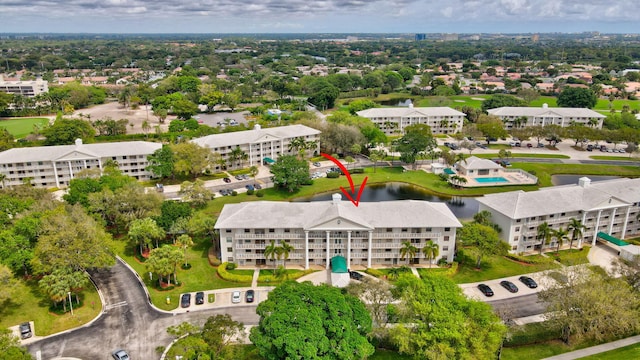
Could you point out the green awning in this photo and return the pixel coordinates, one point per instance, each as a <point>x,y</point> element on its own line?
<point>611,239</point>
<point>268,160</point>
<point>339,264</point>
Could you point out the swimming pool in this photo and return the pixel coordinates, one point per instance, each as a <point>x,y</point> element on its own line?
<point>497,179</point>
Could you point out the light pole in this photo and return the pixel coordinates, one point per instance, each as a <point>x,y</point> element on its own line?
<point>70,303</point>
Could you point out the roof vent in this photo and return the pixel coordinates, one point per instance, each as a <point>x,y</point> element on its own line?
<point>78,142</point>
<point>336,198</point>
<point>584,182</point>
<point>257,127</point>
<point>545,106</point>
<point>410,105</point>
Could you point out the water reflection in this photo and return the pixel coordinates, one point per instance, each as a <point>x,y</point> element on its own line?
<point>462,207</point>
<point>396,102</point>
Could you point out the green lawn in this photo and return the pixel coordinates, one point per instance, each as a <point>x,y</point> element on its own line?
<point>627,352</point>
<point>381,354</point>
<point>495,267</point>
<point>544,171</point>
<point>21,127</point>
<point>535,351</point>
<point>624,158</point>
<point>37,310</point>
<point>202,276</point>
<point>525,155</point>
<point>571,257</point>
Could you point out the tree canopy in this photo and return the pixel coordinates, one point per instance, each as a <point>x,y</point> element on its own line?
<point>303,321</point>
<point>576,97</point>
<point>416,141</point>
<point>483,239</point>
<point>290,173</point>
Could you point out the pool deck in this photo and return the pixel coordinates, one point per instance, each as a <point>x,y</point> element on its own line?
<point>514,177</point>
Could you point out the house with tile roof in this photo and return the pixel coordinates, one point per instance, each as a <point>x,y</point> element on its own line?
<point>533,116</point>
<point>608,210</point>
<point>368,235</point>
<point>56,166</point>
<point>260,145</point>
<point>442,120</point>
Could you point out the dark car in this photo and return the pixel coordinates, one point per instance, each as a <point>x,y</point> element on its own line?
<point>249,296</point>
<point>509,286</point>
<point>249,187</point>
<point>199,298</point>
<point>120,355</point>
<point>227,180</point>
<point>485,289</point>
<point>528,281</point>
<point>185,300</point>
<point>529,145</point>
<point>355,275</point>
<point>317,164</point>
<point>257,186</point>
<point>25,330</point>
<point>540,145</point>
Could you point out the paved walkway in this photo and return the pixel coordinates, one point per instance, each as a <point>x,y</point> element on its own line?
<point>256,275</point>
<point>596,349</point>
<point>415,272</point>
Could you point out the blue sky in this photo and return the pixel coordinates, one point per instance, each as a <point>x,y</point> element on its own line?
<point>311,16</point>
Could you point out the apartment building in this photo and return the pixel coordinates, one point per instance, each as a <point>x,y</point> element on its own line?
<point>27,88</point>
<point>55,166</point>
<point>514,117</point>
<point>442,120</point>
<point>368,235</point>
<point>260,145</point>
<point>608,209</point>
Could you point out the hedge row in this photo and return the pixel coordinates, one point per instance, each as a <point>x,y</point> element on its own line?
<point>374,272</point>
<point>224,274</point>
<point>271,278</point>
<point>533,333</point>
<point>452,270</point>
<point>530,259</point>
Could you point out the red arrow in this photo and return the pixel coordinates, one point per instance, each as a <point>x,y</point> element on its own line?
<point>355,202</point>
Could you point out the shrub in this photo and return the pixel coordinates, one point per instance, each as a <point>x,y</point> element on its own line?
<point>250,192</point>
<point>532,334</point>
<point>231,266</point>
<point>272,279</point>
<point>453,269</point>
<point>224,274</point>
<point>333,175</point>
<point>259,193</point>
<point>530,259</point>
<point>374,272</point>
<point>357,171</point>
<point>234,193</point>
<point>213,259</point>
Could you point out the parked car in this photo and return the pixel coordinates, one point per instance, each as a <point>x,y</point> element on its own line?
<point>355,275</point>
<point>485,289</point>
<point>199,298</point>
<point>589,147</point>
<point>529,145</point>
<point>509,286</point>
<point>540,145</point>
<point>249,187</point>
<point>244,177</point>
<point>120,355</point>
<point>227,180</point>
<point>257,186</point>
<point>528,281</point>
<point>25,330</point>
<point>317,164</point>
<point>238,177</point>
<point>185,300</point>
<point>249,296</point>
<point>235,297</point>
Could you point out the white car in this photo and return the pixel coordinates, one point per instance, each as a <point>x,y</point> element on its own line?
<point>235,297</point>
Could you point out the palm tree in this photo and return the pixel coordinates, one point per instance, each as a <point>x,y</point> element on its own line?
<point>375,156</point>
<point>184,241</point>
<point>394,273</point>
<point>286,250</point>
<point>3,177</point>
<point>146,127</point>
<point>408,251</point>
<point>238,155</point>
<point>297,144</point>
<point>561,237</point>
<point>270,252</point>
<point>576,227</point>
<point>544,234</point>
<point>431,251</point>
<point>254,172</point>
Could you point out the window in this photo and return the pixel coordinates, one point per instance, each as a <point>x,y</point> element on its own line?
<point>445,248</point>
<point>518,220</point>
<point>247,231</point>
<point>447,229</point>
<point>272,230</point>
<point>427,229</point>
<point>389,229</point>
<point>229,249</point>
<point>404,230</point>
<point>228,230</point>
<point>517,228</point>
<point>446,238</point>
<point>229,240</point>
<point>287,230</point>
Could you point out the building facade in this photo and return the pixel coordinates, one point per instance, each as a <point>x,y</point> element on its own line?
<point>368,235</point>
<point>29,88</point>
<point>55,166</point>
<point>608,207</point>
<point>514,117</point>
<point>260,145</point>
<point>442,120</point>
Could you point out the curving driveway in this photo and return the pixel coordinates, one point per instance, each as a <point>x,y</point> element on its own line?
<point>128,322</point>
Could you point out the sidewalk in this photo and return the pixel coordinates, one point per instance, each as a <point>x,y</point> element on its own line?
<point>596,349</point>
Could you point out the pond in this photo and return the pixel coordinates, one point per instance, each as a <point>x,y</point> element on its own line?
<point>557,180</point>
<point>462,207</point>
<point>395,102</point>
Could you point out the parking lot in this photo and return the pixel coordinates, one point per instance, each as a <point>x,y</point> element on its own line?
<point>222,298</point>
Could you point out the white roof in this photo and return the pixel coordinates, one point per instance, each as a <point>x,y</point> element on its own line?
<point>476,163</point>
<point>542,111</point>
<point>313,215</point>
<point>78,151</point>
<point>559,199</point>
<point>409,112</point>
<point>253,136</point>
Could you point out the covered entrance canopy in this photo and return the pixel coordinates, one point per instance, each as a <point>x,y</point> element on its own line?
<point>338,264</point>
<point>611,239</point>
<point>268,160</point>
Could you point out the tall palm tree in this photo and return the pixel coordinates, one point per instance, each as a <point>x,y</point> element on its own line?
<point>561,237</point>
<point>270,252</point>
<point>238,155</point>
<point>431,251</point>
<point>3,177</point>
<point>544,234</point>
<point>408,251</point>
<point>576,227</point>
<point>286,250</point>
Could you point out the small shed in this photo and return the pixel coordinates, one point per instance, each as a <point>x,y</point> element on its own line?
<point>474,166</point>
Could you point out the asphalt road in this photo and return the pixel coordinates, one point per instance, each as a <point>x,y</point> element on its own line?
<point>519,306</point>
<point>129,322</point>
